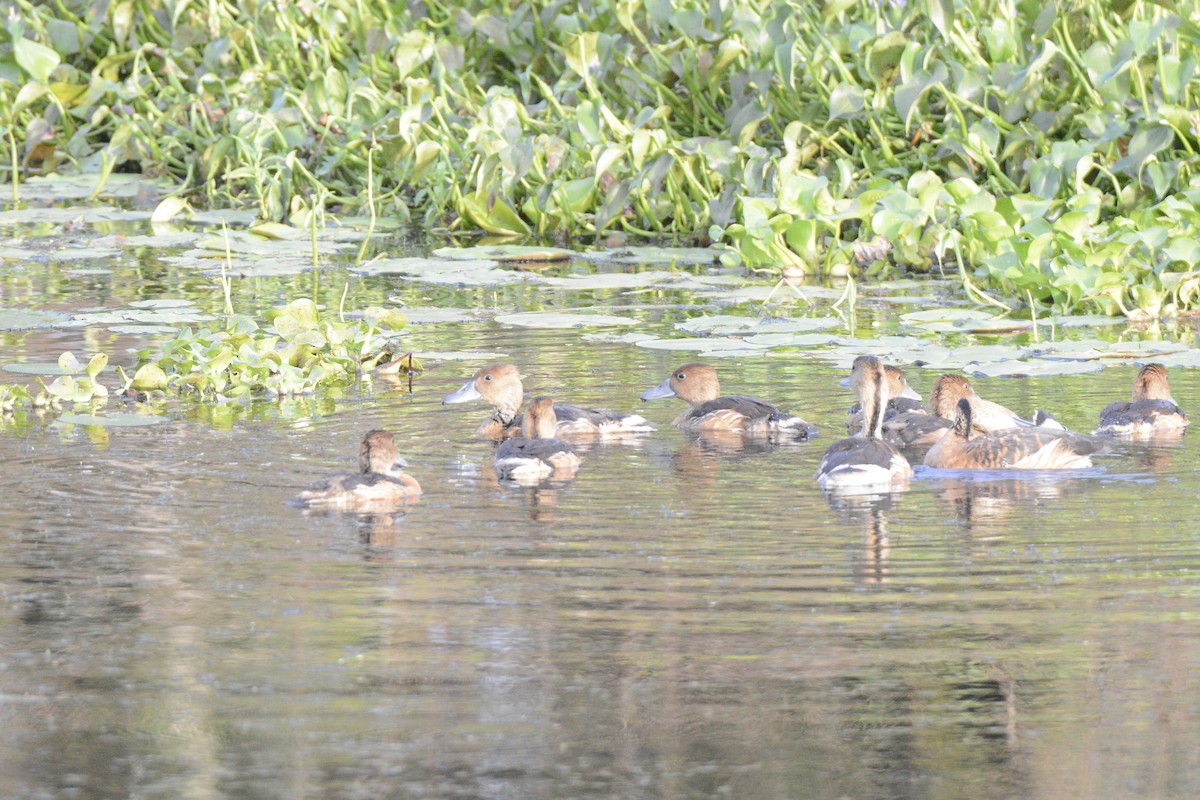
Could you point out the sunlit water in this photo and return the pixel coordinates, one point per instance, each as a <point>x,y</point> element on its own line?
<point>688,618</point>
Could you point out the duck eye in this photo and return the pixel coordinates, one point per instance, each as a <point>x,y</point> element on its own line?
<point>487,377</point>
<point>681,376</point>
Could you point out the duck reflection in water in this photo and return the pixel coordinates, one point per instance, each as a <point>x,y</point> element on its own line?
<point>982,499</point>
<point>872,511</point>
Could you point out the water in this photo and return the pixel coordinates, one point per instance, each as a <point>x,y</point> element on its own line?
<point>688,618</point>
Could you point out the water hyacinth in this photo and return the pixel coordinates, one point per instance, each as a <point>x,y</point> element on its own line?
<point>1049,156</point>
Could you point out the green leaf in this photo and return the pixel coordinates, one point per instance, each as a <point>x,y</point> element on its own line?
<point>96,365</point>
<point>149,378</point>
<point>36,59</point>
<point>941,14</point>
<point>846,100</point>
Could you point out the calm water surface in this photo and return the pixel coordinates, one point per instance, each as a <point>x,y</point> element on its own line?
<point>688,618</point>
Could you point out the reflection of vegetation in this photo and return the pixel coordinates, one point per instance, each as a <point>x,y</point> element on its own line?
<point>1050,153</point>
<point>298,352</point>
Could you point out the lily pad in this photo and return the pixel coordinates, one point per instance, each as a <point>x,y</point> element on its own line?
<point>791,339</point>
<point>947,320</point>
<point>562,319</point>
<point>708,344</point>
<point>656,255</point>
<point>44,188</point>
<point>1033,368</point>
<point>505,253</point>
<point>234,218</point>
<point>459,355</point>
<point>437,316</point>
<point>632,337</point>
<point>62,216</point>
<point>20,319</point>
<point>728,323</point>
<point>609,280</point>
<point>110,420</point>
<point>34,368</point>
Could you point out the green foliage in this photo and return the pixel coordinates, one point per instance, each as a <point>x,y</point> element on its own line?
<point>300,351</point>
<point>1036,145</point>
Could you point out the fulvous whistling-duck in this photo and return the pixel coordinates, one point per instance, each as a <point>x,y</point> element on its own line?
<point>1011,448</point>
<point>1153,411</point>
<point>537,453</point>
<point>379,486</point>
<point>500,385</point>
<point>698,385</point>
<point>865,461</point>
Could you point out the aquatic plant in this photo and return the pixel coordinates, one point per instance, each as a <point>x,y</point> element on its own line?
<point>299,351</point>
<point>1047,155</point>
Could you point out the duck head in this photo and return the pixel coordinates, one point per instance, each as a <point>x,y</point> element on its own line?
<point>496,384</point>
<point>695,383</point>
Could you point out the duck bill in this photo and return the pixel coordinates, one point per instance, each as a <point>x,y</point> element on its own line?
<point>662,390</point>
<point>466,394</point>
<point>910,393</point>
<point>844,381</point>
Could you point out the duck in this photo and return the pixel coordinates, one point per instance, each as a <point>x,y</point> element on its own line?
<point>1153,412</point>
<point>537,453</point>
<point>500,385</point>
<point>378,486</point>
<point>986,416</point>
<point>906,423</point>
<point>865,461</point>
<point>708,410</point>
<point>1013,448</point>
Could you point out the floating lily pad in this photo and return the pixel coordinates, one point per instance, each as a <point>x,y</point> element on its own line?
<point>247,243</point>
<point>62,216</point>
<point>162,302</point>
<point>459,355</point>
<point>110,420</point>
<point>171,239</point>
<point>44,188</point>
<point>562,319</point>
<point>436,316</point>
<point>505,253</point>
<point>445,271</point>
<point>632,337</point>
<point>947,320</point>
<point>1033,368</point>
<point>705,344</point>
<point>234,218</point>
<point>34,368</point>
<point>655,255</point>
<point>143,330</point>
<point>727,323</point>
<point>791,339</point>
<point>20,319</point>
<point>609,280</point>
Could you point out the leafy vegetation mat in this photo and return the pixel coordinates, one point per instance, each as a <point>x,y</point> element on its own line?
<point>1046,150</point>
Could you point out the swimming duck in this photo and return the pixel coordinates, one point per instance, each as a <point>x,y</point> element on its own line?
<point>1153,411</point>
<point>379,485</point>
<point>986,416</point>
<point>1012,448</point>
<point>901,396</point>
<point>537,453</point>
<point>906,424</point>
<point>500,385</point>
<point>865,461</point>
<point>710,411</point>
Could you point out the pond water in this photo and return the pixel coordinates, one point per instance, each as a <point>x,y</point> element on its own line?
<point>687,618</point>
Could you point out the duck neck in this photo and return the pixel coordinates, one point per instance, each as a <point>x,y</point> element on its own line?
<point>874,401</point>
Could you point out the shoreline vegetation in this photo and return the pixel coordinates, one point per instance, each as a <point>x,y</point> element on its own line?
<point>1046,153</point>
